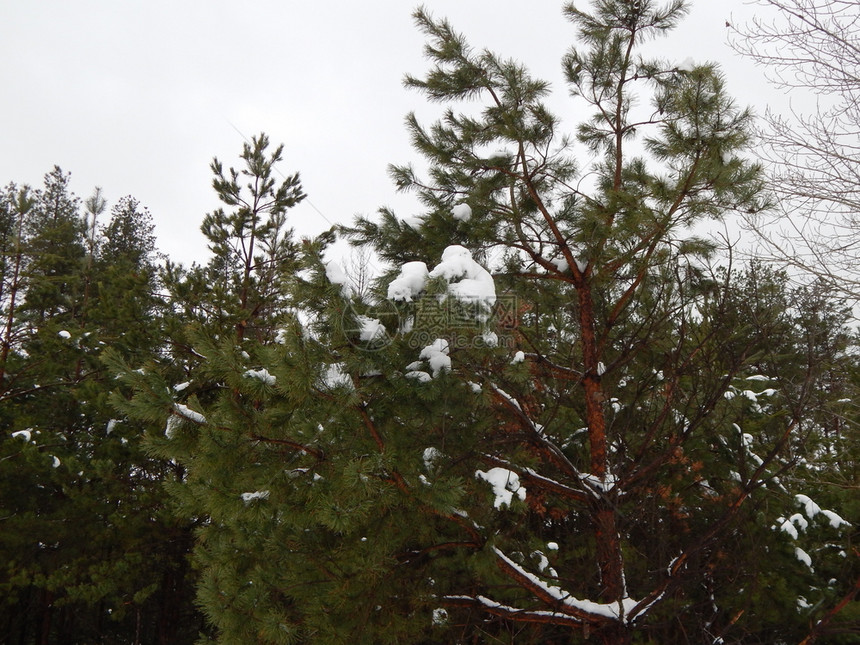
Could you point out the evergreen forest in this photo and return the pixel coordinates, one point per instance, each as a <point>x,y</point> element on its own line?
<point>563,411</point>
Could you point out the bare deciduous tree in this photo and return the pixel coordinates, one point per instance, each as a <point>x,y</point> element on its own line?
<point>811,49</point>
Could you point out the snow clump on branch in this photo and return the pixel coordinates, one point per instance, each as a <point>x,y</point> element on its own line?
<point>410,282</point>
<point>262,375</point>
<point>467,280</point>
<point>505,483</point>
<point>462,212</point>
<point>336,275</point>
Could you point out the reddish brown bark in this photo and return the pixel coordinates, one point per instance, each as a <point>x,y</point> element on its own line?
<point>820,627</point>
<point>603,516</point>
<point>591,382</point>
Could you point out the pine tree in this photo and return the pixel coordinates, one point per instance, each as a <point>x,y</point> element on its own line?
<point>89,551</point>
<point>225,317</point>
<point>252,250</point>
<point>56,245</point>
<point>15,206</point>
<point>126,282</point>
<point>606,265</point>
<point>556,419</point>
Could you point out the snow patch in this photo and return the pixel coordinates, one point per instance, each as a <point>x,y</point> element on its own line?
<point>410,282</point>
<point>180,413</point>
<point>506,396</point>
<point>467,280</point>
<point>336,376</point>
<point>261,374</point>
<point>430,456</point>
<point>803,556</point>
<point>170,428</point>
<point>596,484</point>
<point>187,413</point>
<point>834,519</point>
<point>370,328</point>
<point>336,275</point>
<point>618,610</point>
<point>543,561</point>
<point>561,264</point>
<point>440,616</point>
<point>810,508</point>
<point>250,497</point>
<point>406,325</point>
<point>798,520</point>
<point>505,485</point>
<point>462,212</point>
<point>436,356</point>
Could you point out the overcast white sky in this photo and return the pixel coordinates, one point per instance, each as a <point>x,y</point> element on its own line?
<point>137,97</point>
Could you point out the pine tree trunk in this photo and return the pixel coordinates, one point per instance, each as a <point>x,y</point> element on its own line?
<point>45,616</point>
<point>603,516</point>
<point>167,612</point>
<point>609,558</point>
<point>6,344</point>
<point>616,635</point>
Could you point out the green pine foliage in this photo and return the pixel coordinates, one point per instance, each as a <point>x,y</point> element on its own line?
<point>613,442</point>
<point>252,251</point>
<point>56,248</point>
<point>90,551</point>
<point>560,415</point>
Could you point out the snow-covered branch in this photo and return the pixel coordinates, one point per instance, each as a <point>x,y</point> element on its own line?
<point>563,601</point>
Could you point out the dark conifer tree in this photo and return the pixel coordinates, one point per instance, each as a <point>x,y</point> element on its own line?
<point>89,552</point>
<point>125,276</point>
<point>15,206</point>
<point>56,245</point>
